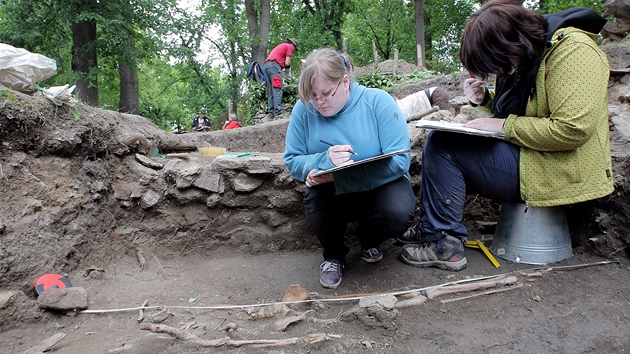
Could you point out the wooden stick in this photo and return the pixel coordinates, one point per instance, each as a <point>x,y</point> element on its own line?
<point>422,114</point>
<point>181,155</point>
<point>141,260</point>
<point>482,293</point>
<point>45,344</point>
<point>141,314</point>
<point>491,283</point>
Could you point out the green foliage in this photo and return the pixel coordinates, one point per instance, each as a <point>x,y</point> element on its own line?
<point>39,27</point>
<point>375,80</point>
<point>551,6</point>
<point>253,103</point>
<point>290,90</point>
<point>445,25</point>
<point>417,75</point>
<point>389,23</point>
<point>10,96</point>
<point>389,82</point>
<point>161,92</point>
<point>165,43</point>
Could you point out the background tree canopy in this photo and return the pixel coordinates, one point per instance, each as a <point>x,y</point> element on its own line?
<point>165,59</point>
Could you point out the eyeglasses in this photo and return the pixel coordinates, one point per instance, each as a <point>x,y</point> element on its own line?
<point>327,97</point>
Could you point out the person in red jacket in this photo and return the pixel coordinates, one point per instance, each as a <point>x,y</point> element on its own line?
<point>231,123</point>
<point>278,59</point>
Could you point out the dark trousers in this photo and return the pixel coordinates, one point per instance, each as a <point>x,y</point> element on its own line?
<point>274,88</point>
<point>453,163</point>
<point>384,212</point>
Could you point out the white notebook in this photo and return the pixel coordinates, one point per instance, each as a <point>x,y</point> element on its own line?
<point>456,128</point>
<point>360,162</point>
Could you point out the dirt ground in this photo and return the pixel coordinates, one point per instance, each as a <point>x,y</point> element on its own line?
<point>218,263</point>
<point>578,311</point>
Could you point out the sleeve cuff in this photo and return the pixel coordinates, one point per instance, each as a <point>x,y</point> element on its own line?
<point>486,97</point>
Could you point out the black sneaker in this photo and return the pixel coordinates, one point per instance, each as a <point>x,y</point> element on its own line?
<point>412,235</point>
<point>372,255</point>
<point>428,254</point>
<point>330,277</point>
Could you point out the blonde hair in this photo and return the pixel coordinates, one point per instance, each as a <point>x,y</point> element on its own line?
<point>325,63</point>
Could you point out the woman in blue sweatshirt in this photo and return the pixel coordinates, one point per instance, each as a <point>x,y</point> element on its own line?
<point>338,122</point>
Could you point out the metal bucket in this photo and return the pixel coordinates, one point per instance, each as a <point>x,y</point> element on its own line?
<point>532,236</point>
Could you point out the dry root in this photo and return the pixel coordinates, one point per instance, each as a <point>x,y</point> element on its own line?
<point>141,260</point>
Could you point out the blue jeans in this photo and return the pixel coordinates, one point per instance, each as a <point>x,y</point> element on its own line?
<point>384,212</point>
<point>454,163</point>
<point>274,94</point>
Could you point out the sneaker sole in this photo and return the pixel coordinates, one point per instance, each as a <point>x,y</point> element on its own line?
<point>452,266</point>
<point>330,286</point>
<point>373,260</point>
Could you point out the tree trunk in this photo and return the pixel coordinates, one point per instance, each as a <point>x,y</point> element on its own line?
<point>84,61</point>
<point>129,91</point>
<point>258,21</point>
<point>419,11</point>
<point>427,40</point>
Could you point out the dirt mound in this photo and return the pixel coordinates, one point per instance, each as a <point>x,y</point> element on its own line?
<point>387,68</point>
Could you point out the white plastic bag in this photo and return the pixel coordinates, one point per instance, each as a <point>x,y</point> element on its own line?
<point>22,70</point>
<point>60,95</point>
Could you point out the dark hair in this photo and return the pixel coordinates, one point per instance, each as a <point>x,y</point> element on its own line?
<point>498,31</point>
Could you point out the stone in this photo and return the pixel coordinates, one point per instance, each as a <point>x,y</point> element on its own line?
<point>246,183</point>
<point>176,172</point>
<point>209,180</point>
<point>186,176</point>
<point>6,296</point>
<point>149,199</point>
<point>68,299</point>
<point>147,161</point>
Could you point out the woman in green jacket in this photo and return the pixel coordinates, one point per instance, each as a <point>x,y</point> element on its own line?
<point>550,102</point>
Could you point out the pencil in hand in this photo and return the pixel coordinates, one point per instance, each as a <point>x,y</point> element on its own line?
<point>329,144</point>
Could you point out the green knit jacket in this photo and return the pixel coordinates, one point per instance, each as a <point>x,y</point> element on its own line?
<point>564,136</point>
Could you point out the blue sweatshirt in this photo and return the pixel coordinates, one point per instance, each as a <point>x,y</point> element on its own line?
<point>371,123</point>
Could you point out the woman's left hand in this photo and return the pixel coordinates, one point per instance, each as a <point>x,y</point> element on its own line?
<point>314,181</point>
<point>489,124</point>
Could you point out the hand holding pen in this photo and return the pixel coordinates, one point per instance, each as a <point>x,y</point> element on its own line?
<point>474,89</point>
<point>349,149</point>
<point>339,154</point>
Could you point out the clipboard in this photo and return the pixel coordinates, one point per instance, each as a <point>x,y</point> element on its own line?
<point>456,128</point>
<point>360,162</point>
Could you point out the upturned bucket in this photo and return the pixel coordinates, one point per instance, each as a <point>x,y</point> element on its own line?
<point>532,235</point>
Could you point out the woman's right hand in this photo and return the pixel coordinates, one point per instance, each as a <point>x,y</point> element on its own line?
<point>339,155</point>
<point>474,90</point>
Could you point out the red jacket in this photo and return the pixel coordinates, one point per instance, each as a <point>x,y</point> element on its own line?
<point>231,125</point>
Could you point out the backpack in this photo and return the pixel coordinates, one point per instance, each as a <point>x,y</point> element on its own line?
<point>256,73</point>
